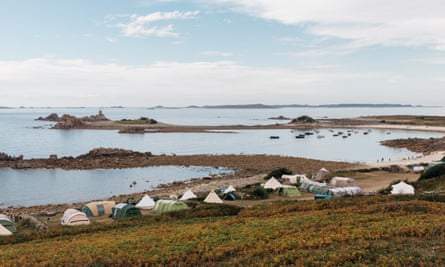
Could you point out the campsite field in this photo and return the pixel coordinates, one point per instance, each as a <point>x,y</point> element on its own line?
<point>384,231</point>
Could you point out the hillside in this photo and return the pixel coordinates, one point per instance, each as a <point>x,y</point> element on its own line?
<point>362,230</point>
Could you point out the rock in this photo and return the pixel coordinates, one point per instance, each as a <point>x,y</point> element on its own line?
<point>67,122</point>
<point>110,152</point>
<point>50,117</point>
<point>281,117</point>
<point>99,117</point>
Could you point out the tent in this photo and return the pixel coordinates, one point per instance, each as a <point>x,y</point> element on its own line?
<point>229,189</point>
<point>146,203</point>
<point>4,231</point>
<point>342,182</point>
<point>292,179</point>
<point>321,174</point>
<point>402,188</point>
<point>272,183</point>
<point>289,191</point>
<point>74,217</point>
<point>212,197</point>
<point>345,191</point>
<point>125,210</point>
<point>165,206</point>
<point>7,223</point>
<point>418,169</point>
<point>98,208</point>
<point>188,195</point>
<point>310,186</point>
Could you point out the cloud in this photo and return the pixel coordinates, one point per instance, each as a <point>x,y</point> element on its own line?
<point>363,23</point>
<point>217,53</point>
<point>77,82</point>
<point>144,26</point>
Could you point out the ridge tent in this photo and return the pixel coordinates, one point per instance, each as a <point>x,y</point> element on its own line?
<point>166,206</point>
<point>342,182</point>
<point>74,217</point>
<point>98,208</point>
<point>229,189</point>
<point>7,223</point>
<point>146,203</point>
<point>289,191</point>
<point>4,231</point>
<point>272,183</point>
<point>212,197</point>
<point>188,195</point>
<point>125,210</point>
<point>402,188</point>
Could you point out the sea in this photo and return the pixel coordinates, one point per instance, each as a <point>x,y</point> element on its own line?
<point>21,134</point>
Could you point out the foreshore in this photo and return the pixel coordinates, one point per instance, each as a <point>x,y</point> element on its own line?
<point>250,169</point>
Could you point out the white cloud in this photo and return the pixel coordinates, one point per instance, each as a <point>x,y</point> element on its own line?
<point>62,82</point>
<point>363,22</point>
<point>144,26</point>
<point>216,53</point>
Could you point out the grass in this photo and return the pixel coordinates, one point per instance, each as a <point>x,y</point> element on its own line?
<point>384,231</point>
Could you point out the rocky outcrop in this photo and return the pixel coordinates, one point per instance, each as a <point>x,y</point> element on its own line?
<point>67,122</point>
<point>50,117</point>
<point>6,157</point>
<point>111,153</point>
<point>99,117</point>
<point>418,145</point>
<point>281,117</point>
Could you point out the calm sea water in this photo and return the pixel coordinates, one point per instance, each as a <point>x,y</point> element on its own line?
<point>20,134</point>
<point>42,186</point>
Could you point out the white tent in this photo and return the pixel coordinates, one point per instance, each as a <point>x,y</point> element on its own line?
<point>4,231</point>
<point>188,195</point>
<point>402,188</point>
<point>345,191</point>
<point>321,174</point>
<point>229,189</point>
<point>74,217</point>
<point>272,183</point>
<point>418,169</point>
<point>146,203</point>
<point>212,197</point>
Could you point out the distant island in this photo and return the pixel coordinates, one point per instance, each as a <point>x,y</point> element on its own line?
<point>263,106</point>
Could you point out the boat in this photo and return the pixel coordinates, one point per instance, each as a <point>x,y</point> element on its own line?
<point>274,137</point>
<point>300,136</point>
<point>320,136</point>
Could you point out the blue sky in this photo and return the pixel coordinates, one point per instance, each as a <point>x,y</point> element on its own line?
<point>179,53</point>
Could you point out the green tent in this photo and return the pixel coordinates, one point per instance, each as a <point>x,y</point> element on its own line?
<point>289,191</point>
<point>165,206</point>
<point>7,223</point>
<point>125,210</point>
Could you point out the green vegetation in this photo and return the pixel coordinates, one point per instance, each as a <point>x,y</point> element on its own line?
<point>277,173</point>
<point>304,119</point>
<point>379,231</point>
<point>432,172</point>
<point>141,120</point>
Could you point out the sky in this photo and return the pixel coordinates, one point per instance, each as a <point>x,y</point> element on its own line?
<point>213,52</point>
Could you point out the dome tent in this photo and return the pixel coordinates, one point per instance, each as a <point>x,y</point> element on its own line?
<point>74,217</point>
<point>166,206</point>
<point>7,223</point>
<point>4,231</point>
<point>98,208</point>
<point>125,210</point>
